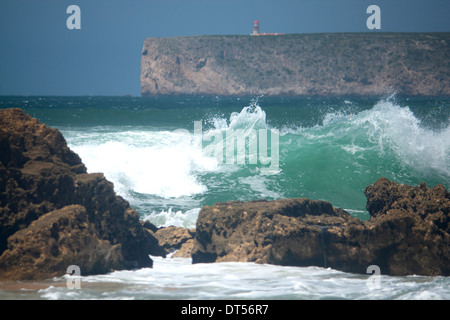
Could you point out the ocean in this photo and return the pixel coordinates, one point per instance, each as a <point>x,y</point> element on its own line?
<point>169,156</point>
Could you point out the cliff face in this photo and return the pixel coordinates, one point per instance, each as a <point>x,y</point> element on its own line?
<point>298,64</point>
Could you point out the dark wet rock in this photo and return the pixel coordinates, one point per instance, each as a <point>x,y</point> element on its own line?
<point>54,214</point>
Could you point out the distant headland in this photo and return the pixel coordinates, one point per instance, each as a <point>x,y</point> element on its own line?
<point>326,64</point>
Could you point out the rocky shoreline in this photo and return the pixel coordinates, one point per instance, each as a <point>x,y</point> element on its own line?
<point>54,214</point>
<point>408,232</point>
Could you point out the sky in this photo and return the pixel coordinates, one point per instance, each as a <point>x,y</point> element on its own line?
<point>39,55</point>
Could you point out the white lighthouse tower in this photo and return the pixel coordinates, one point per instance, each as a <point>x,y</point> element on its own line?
<point>255,28</point>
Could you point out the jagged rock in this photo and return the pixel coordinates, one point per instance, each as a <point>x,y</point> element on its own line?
<point>409,227</point>
<point>408,232</point>
<point>185,250</point>
<point>55,241</point>
<point>176,240</point>
<point>52,212</point>
<point>386,195</point>
<point>286,232</point>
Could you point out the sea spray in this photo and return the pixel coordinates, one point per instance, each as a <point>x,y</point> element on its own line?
<point>393,131</point>
<point>350,150</point>
<point>246,139</point>
<point>398,129</point>
<point>144,162</point>
<point>171,217</point>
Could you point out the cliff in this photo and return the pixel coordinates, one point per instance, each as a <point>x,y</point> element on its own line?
<point>298,64</point>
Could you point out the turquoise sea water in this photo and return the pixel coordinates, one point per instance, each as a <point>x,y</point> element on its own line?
<point>328,149</point>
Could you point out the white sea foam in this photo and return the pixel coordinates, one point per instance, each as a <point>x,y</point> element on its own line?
<point>244,139</point>
<point>385,128</point>
<point>177,278</point>
<point>162,163</point>
<point>397,128</point>
<point>171,217</point>
<point>157,163</point>
<point>258,184</point>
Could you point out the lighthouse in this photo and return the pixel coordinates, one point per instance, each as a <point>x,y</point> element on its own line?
<point>257,33</point>
<point>255,28</point>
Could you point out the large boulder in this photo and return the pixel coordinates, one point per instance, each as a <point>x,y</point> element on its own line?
<point>287,231</point>
<point>407,233</point>
<point>54,214</point>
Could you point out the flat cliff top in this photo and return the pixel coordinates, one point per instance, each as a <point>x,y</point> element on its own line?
<point>298,64</point>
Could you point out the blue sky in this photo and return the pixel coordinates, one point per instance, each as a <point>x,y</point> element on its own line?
<point>40,56</point>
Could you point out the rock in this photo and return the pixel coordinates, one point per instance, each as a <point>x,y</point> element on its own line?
<point>55,241</point>
<point>385,195</point>
<point>409,227</point>
<point>408,232</point>
<point>149,226</point>
<point>52,212</point>
<point>176,240</point>
<point>286,232</point>
<point>185,250</point>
